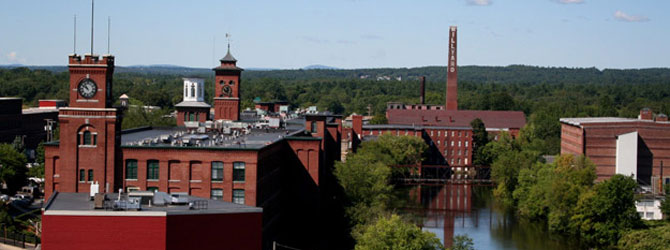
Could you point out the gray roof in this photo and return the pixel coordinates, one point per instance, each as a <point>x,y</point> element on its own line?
<point>256,139</point>
<point>587,120</point>
<point>229,57</point>
<point>193,104</point>
<point>80,204</point>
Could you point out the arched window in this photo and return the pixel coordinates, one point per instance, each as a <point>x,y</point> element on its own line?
<point>87,138</point>
<point>90,175</point>
<point>131,169</point>
<point>152,170</point>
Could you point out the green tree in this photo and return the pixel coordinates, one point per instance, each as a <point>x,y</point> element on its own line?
<point>379,119</point>
<point>366,185</point>
<point>602,214</point>
<point>394,233</point>
<point>479,139</point>
<point>462,242</point>
<point>654,238</point>
<point>665,204</point>
<point>13,169</point>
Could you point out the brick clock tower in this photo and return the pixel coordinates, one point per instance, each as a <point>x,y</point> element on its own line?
<point>227,89</point>
<point>89,131</point>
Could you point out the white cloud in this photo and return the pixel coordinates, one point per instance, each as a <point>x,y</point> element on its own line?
<point>619,15</point>
<point>11,56</point>
<point>570,1</point>
<point>479,2</point>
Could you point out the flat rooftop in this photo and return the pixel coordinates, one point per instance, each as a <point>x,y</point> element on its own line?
<point>80,204</point>
<point>588,120</point>
<point>180,137</point>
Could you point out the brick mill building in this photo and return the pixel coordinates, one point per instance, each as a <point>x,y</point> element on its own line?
<point>286,171</point>
<point>633,147</point>
<point>446,129</point>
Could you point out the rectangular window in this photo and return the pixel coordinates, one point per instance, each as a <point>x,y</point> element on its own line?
<point>152,189</point>
<point>238,171</point>
<point>466,144</point>
<point>466,152</point>
<point>466,161</point>
<point>459,161</point>
<point>82,175</point>
<point>438,132</point>
<point>452,133</point>
<point>314,127</point>
<point>131,169</point>
<point>95,139</point>
<point>90,175</point>
<point>459,143</point>
<point>217,171</point>
<point>459,133</point>
<point>238,196</point>
<point>87,138</point>
<point>185,116</point>
<point>431,133</point>
<point>459,152</point>
<point>438,142</point>
<point>452,143</point>
<point>217,194</point>
<point>152,170</point>
<point>196,116</point>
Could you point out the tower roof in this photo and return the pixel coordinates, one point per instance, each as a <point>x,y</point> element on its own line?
<point>229,57</point>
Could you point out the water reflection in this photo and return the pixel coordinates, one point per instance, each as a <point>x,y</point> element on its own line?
<point>453,209</point>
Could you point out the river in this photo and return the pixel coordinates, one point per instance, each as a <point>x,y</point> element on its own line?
<point>467,209</point>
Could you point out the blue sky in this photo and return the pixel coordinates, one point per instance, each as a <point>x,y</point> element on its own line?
<point>343,33</point>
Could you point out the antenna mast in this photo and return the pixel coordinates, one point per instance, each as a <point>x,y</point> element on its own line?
<point>74,40</point>
<point>92,17</point>
<point>109,25</point>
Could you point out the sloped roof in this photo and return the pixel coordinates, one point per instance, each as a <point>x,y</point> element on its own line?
<point>193,104</point>
<point>457,118</point>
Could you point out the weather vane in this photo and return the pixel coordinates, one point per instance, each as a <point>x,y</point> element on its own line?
<point>228,38</point>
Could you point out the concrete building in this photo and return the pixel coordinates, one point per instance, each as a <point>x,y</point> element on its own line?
<point>72,221</point>
<point>634,147</point>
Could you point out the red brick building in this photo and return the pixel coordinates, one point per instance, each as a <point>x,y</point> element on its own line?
<point>445,129</point>
<point>286,171</point>
<point>69,221</point>
<point>621,145</point>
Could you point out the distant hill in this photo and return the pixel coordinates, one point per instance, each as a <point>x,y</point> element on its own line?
<point>521,74</point>
<point>318,66</point>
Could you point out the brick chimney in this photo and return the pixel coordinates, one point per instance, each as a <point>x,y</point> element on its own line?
<point>452,73</point>
<point>423,89</point>
<point>357,124</point>
<point>661,118</point>
<point>646,114</point>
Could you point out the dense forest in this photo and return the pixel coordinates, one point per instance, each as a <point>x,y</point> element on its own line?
<point>544,94</point>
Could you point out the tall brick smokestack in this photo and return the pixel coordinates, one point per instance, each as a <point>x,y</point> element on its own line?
<point>452,72</point>
<point>423,89</point>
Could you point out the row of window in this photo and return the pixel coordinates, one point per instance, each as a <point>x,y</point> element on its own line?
<point>453,161</point>
<point>82,175</point>
<point>153,170</point>
<point>467,143</point>
<point>453,133</point>
<point>191,116</point>
<point>238,195</point>
<point>446,152</point>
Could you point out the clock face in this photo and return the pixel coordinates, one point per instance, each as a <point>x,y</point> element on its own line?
<point>227,91</point>
<point>87,88</point>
